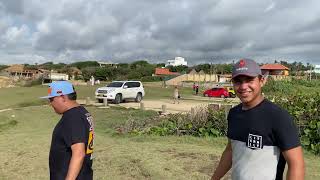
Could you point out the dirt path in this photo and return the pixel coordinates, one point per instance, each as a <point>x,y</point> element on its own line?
<point>183,106</point>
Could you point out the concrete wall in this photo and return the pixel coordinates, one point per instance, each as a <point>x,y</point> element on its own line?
<point>194,78</point>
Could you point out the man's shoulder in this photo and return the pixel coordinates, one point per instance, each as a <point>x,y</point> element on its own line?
<point>271,107</point>
<point>75,113</point>
<point>78,110</point>
<point>236,108</point>
<point>266,106</point>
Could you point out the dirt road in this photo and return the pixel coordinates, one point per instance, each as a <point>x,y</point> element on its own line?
<point>183,106</point>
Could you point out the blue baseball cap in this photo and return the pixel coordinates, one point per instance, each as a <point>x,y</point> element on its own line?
<point>59,88</point>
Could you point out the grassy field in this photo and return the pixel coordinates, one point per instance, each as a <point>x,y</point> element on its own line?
<point>28,96</point>
<point>26,134</point>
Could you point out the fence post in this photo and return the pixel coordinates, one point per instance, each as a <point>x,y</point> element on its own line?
<point>105,101</point>
<point>141,105</point>
<point>164,108</point>
<point>192,112</point>
<point>88,101</point>
<point>226,110</point>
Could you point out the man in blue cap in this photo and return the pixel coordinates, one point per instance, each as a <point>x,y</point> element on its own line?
<point>262,137</point>
<point>72,139</point>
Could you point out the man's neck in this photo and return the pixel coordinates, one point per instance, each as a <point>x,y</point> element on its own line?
<point>71,105</point>
<point>252,104</point>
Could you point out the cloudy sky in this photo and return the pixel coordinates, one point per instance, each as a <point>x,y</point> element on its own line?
<point>37,31</point>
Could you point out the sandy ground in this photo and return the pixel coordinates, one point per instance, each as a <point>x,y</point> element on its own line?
<point>183,106</point>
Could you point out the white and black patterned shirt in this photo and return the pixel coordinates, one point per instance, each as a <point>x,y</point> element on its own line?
<point>258,136</point>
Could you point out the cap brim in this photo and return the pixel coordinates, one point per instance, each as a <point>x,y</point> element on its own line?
<point>245,74</point>
<point>46,97</point>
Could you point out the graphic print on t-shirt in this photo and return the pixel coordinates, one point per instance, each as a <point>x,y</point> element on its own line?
<point>254,141</point>
<point>91,135</point>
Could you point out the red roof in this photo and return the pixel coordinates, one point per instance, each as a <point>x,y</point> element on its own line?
<point>273,67</point>
<point>164,71</point>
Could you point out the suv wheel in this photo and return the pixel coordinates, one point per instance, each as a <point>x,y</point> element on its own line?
<point>222,96</point>
<point>100,100</point>
<point>138,97</point>
<point>118,99</point>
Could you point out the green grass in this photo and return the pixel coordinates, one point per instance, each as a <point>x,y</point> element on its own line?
<point>26,147</point>
<point>21,96</point>
<point>29,96</point>
<point>118,156</point>
<point>26,134</point>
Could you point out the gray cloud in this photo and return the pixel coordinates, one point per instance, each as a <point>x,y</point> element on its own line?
<point>124,30</point>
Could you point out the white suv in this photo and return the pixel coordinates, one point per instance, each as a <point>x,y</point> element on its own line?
<point>117,91</point>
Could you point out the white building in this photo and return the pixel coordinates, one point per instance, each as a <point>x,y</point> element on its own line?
<point>58,76</point>
<point>316,69</point>
<point>107,64</point>
<point>177,62</point>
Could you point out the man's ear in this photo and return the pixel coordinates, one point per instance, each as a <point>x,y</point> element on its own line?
<point>263,80</point>
<point>65,98</point>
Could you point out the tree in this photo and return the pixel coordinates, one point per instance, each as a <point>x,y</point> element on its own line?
<point>87,72</point>
<point>134,75</point>
<point>179,69</point>
<point>123,65</point>
<point>141,63</point>
<point>3,67</point>
<point>101,73</point>
<point>52,66</point>
<point>161,65</point>
<point>84,64</point>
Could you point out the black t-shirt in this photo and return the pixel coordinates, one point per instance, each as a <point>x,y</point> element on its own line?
<point>75,126</point>
<point>258,136</point>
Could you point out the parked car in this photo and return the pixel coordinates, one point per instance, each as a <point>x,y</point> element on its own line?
<point>231,91</point>
<point>216,92</point>
<point>118,91</point>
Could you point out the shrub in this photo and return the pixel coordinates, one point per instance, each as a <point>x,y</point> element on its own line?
<point>305,110</point>
<point>200,122</point>
<point>150,78</point>
<point>31,82</point>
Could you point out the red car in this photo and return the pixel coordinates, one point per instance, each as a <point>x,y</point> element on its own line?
<point>216,92</point>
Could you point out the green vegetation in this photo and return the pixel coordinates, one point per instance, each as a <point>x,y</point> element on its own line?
<point>3,67</point>
<point>202,122</point>
<point>301,99</point>
<point>26,133</point>
<point>26,147</point>
<point>305,110</point>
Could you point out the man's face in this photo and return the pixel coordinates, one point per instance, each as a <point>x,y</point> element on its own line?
<point>247,88</point>
<point>57,104</point>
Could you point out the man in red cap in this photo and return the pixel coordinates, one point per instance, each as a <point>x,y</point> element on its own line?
<point>262,137</point>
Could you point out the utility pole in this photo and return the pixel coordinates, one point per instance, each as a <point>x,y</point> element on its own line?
<point>310,72</point>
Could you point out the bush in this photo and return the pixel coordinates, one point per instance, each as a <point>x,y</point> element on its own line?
<point>150,78</point>
<point>273,87</point>
<point>305,110</point>
<point>32,82</point>
<point>200,122</point>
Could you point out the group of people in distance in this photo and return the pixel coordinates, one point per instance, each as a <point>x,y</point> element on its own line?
<point>262,137</point>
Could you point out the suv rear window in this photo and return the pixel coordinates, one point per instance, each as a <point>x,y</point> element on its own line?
<point>115,84</point>
<point>133,84</point>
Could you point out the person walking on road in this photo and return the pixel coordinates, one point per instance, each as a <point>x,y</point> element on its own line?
<point>194,88</point>
<point>197,89</point>
<point>71,148</point>
<point>176,95</point>
<point>262,137</point>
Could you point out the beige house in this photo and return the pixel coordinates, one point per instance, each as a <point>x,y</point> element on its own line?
<point>275,69</point>
<point>19,71</point>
